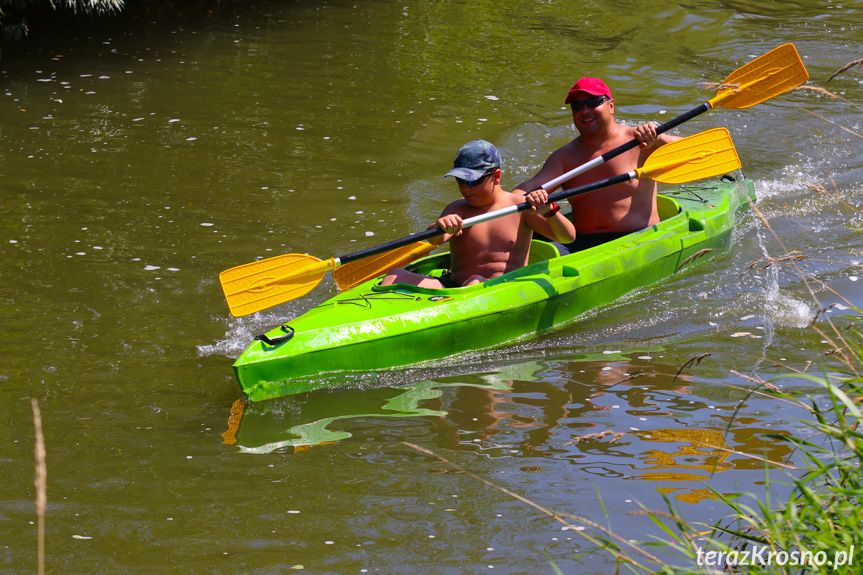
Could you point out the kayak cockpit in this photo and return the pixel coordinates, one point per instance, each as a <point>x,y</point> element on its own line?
<point>540,251</point>
<point>438,264</point>
<point>667,207</point>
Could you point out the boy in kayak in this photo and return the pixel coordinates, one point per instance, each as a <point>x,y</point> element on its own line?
<point>492,248</point>
<point>615,211</point>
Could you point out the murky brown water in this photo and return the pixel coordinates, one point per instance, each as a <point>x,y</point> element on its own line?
<point>138,162</point>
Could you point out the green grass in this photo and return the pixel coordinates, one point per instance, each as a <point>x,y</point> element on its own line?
<point>817,529</point>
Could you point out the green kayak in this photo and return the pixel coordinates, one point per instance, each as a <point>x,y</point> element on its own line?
<point>372,328</point>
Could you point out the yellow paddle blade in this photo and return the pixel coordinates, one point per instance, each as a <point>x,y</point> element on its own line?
<point>699,156</point>
<point>772,74</point>
<point>263,284</point>
<point>354,273</point>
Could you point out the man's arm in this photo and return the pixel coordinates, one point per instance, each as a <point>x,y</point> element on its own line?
<point>551,169</point>
<point>649,140</point>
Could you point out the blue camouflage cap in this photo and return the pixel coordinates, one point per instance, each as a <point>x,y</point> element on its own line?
<point>474,159</point>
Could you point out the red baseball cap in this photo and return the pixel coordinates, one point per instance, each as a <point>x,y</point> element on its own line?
<point>593,86</point>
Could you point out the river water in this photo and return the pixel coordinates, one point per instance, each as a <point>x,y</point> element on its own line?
<point>140,159</point>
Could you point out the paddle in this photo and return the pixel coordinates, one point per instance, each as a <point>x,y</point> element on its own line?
<point>259,285</point>
<point>767,76</point>
<point>360,271</point>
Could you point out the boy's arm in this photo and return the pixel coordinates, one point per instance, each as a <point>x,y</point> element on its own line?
<point>546,218</point>
<point>450,223</point>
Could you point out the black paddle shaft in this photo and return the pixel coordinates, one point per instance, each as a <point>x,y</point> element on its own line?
<point>430,233</point>
<point>705,107</point>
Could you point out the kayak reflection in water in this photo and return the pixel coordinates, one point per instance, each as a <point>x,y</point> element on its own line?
<point>619,209</point>
<point>491,248</point>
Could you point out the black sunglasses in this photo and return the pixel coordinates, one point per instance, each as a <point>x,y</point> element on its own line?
<point>472,183</point>
<point>591,103</point>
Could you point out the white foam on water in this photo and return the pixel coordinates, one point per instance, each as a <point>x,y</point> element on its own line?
<point>786,310</point>
<point>784,187</point>
<point>781,308</point>
<point>242,330</point>
<point>236,339</point>
<point>787,193</point>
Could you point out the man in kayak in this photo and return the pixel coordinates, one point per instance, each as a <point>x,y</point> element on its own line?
<point>491,248</point>
<point>612,212</point>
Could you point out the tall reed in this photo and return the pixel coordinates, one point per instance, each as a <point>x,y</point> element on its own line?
<point>41,483</point>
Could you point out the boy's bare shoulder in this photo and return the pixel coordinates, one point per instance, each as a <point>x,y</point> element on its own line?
<point>456,207</point>
<point>508,199</point>
<point>517,197</point>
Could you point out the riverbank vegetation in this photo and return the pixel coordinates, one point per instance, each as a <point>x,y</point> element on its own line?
<point>817,527</point>
<point>25,19</point>
<point>18,16</point>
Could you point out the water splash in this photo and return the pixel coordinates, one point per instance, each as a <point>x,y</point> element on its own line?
<point>779,308</point>
<point>242,330</point>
